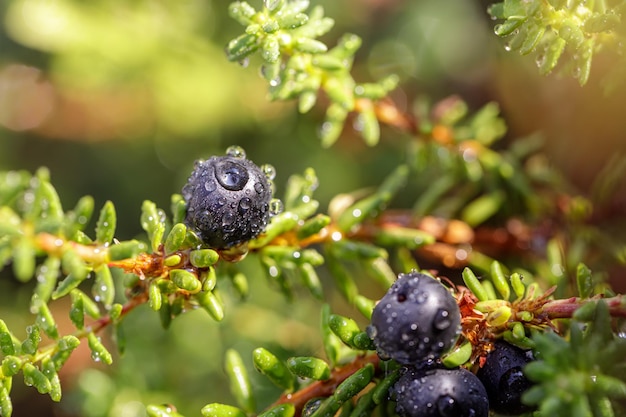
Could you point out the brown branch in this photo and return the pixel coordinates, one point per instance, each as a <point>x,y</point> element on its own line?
<point>565,308</point>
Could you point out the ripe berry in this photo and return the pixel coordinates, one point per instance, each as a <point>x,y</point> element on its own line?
<point>417,320</point>
<point>502,376</point>
<point>227,200</point>
<point>439,393</point>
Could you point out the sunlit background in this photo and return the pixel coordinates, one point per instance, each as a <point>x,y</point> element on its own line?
<point>119,97</point>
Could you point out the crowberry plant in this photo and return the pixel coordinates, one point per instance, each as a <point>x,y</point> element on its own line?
<point>469,248</point>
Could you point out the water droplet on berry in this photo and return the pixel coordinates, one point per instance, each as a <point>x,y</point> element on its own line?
<point>220,202</point>
<point>244,205</point>
<point>276,206</point>
<point>447,407</point>
<point>228,222</point>
<point>231,175</point>
<point>210,186</point>
<point>442,320</point>
<point>259,187</point>
<point>269,171</point>
<point>236,152</point>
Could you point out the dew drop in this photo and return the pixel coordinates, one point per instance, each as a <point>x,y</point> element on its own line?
<point>244,205</point>
<point>269,171</point>
<point>275,82</point>
<point>236,152</point>
<point>220,202</point>
<point>228,222</point>
<point>442,320</point>
<point>210,186</point>
<point>259,187</point>
<point>276,206</point>
<point>245,62</point>
<point>231,175</point>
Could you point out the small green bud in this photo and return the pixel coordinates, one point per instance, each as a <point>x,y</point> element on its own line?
<point>364,305</point>
<point>354,250</point>
<point>309,367</point>
<point>313,226</point>
<point>208,279</point>
<point>172,260</point>
<point>175,238</point>
<point>278,225</point>
<point>203,258</point>
<point>6,407</point>
<point>185,280</point>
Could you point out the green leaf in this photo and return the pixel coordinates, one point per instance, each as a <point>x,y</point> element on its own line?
<point>281,410</point>
<point>370,206</point>
<point>46,322</point>
<point>33,338</point>
<point>175,238</point>
<point>64,348</point>
<point>211,303</point>
<point>474,285</point>
<point>350,387</point>
<point>242,46</point>
<point>105,228</point>
<point>103,287</point>
<point>126,250</point>
<point>482,208</point>
<point>221,410</point>
<point>24,259</point>
<point>98,352</point>
<point>584,281</point>
<point>345,328</point>
<point>185,280</point>
<point>239,382</point>
<point>34,377</point>
<point>273,368</point>
<point>203,258</point>
<point>162,411</point>
<point>48,369</point>
<point>11,365</point>
<point>499,280</point>
<point>309,367</point>
<point>6,407</point>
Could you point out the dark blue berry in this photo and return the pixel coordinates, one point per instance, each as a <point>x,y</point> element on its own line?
<point>227,200</point>
<point>417,320</point>
<point>439,393</point>
<point>502,376</point>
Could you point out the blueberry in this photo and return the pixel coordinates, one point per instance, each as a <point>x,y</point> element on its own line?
<point>438,392</point>
<point>227,200</point>
<point>502,376</point>
<point>417,320</point>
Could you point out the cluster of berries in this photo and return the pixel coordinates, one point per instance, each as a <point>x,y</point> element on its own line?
<point>415,323</point>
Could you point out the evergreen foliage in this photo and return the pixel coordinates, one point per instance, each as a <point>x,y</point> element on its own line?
<point>532,270</point>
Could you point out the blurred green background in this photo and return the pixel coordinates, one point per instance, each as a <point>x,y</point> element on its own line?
<point>119,97</point>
